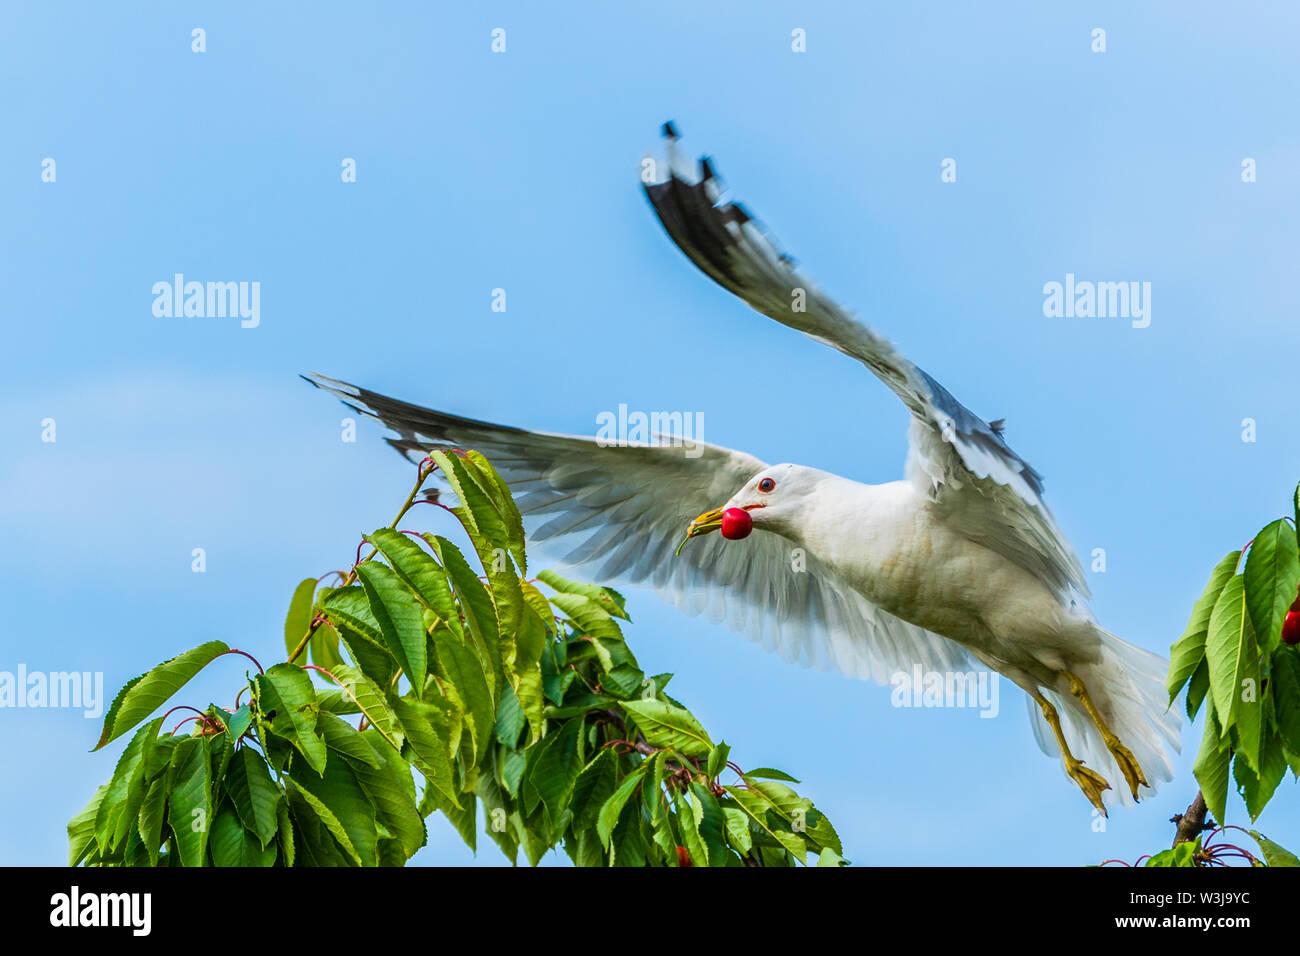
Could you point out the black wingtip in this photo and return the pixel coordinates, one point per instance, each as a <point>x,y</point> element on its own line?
<point>309,380</point>
<point>670,131</point>
<point>706,169</point>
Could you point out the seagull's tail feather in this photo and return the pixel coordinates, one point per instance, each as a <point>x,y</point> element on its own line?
<point>1128,686</point>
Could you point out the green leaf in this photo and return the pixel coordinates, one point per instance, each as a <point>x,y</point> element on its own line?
<point>143,695</point>
<point>767,773</point>
<point>1197,688</point>
<point>1271,575</point>
<point>304,803</point>
<point>342,737</point>
<point>232,845</point>
<point>422,574</point>
<point>1274,855</point>
<point>1257,788</point>
<point>398,615</point>
<point>556,770</point>
<point>589,617</point>
<point>370,700</point>
<point>609,600</point>
<point>593,787</point>
<point>612,808</point>
<point>760,806</point>
<point>476,603</point>
<point>665,725</point>
<point>255,796</point>
<point>150,818</point>
<point>476,510</point>
<point>392,792</point>
<point>298,620</point>
<point>737,823</point>
<point>284,832</point>
<point>1188,651</point>
<point>428,749</point>
<point>499,492</point>
<point>1182,855</point>
<point>1234,668</point>
<point>287,690</point>
<point>652,794</point>
<point>830,858</point>
<point>126,790</point>
<point>81,828</point>
<point>689,823</point>
<point>1211,769</point>
<point>718,760</point>
<point>239,722</point>
<point>340,791</point>
<point>1286,695</point>
<point>189,808</point>
<point>324,647</point>
<point>460,666</point>
<point>510,718</point>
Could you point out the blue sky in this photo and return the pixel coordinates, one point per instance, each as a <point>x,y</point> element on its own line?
<point>518,170</point>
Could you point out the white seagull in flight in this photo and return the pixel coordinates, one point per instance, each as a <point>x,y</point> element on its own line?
<point>959,559</point>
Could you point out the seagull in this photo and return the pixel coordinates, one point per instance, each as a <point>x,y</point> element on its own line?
<point>959,560</point>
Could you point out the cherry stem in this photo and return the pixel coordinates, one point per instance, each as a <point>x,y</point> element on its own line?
<point>235,650</point>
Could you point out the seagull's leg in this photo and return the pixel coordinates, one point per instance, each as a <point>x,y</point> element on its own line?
<point>1089,781</point>
<point>1128,764</point>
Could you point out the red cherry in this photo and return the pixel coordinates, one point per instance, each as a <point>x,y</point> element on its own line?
<point>1291,628</point>
<point>736,524</point>
<point>683,858</point>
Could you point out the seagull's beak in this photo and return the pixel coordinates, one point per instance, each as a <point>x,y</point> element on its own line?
<point>709,521</point>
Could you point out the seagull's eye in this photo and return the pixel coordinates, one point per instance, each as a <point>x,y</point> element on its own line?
<point>767,485</point>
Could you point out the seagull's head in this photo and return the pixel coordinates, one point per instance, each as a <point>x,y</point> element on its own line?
<point>771,500</point>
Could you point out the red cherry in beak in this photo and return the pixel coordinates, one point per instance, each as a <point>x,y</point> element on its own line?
<point>1291,628</point>
<point>736,524</point>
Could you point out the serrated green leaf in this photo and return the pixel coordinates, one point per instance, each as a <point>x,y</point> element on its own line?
<point>1189,650</point>
<point>612,808</point>
<point>1211,769</point>
<point>189,806</point>
<point>398,615</point>
<point>666,725</point>
<point>144,694</point>
<point>255,796</point>
<point>342,737</point>
<point>1274,855</point>
<point>287,690</point>
<point>370,701</point>
<point>1234,668</point>
<point>232,845</point>
<point>1271,575</point>
<point>427,748</point>
<point>303,801</point>
<point>299,617</point>
<point>81,828</point>
<point>609,600</point>
<point>340,791</point>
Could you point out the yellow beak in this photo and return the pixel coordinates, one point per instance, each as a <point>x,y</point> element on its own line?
<point>709,521</point>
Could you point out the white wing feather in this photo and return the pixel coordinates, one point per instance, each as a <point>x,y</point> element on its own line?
<point>615,515</point>
<point>972,477</point>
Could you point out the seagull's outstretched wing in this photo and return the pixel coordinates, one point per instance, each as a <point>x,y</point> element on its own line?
<point>617,513</point>
<point>973,477</point>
